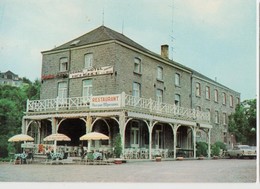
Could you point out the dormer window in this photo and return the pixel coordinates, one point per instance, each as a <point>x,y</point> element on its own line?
<point>88,60</point>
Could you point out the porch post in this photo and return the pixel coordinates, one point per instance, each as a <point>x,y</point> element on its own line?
<point>194,141</point>
<point>122,130</point>
<point>209,150</point>
<point>53,125</point>
<point>174,140</point>
<point>150,129</point>
<point>39,132</point>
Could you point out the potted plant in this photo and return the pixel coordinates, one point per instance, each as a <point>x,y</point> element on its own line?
<point>118,149</point>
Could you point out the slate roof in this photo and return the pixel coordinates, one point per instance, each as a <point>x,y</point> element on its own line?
<point>100,34</point>
<point>103,34</point>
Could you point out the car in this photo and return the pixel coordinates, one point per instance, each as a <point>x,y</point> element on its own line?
<point>241,151</point>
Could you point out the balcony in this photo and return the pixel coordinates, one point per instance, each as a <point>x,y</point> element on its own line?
<point>117,101</point>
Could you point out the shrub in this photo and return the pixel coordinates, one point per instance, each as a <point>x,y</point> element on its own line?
<point>201,149</point>
<point>118,146</point>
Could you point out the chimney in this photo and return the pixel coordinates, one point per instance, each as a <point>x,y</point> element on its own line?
<point>165,51</point>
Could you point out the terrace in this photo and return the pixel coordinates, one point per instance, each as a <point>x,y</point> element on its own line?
<point>116,102</point>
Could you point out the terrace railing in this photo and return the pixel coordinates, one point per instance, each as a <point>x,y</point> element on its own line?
<point>122,101</point>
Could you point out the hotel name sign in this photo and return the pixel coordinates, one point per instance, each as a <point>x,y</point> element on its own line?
<point>83,73</point>
<point>93,71</point>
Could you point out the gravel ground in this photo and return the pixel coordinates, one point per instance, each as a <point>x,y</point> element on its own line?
<point>186,171</point>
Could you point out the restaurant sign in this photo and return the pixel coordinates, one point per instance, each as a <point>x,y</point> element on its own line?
<point>92,72</point>
<point>105,101</point>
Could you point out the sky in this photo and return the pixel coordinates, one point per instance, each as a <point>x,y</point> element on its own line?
<point>214,37</point>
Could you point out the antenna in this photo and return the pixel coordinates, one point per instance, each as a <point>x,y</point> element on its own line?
<point>123,27</point>
<point>103,17</point>
<point>171,35</point>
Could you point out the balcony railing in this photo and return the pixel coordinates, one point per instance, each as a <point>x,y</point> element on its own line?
<point>117,101</point>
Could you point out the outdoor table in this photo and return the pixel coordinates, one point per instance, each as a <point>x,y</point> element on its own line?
<point>21,156</point>
<point>97,154</point>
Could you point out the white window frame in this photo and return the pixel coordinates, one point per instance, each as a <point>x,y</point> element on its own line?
<point>216,95</point>
<point>86,89</point>
<point>231,101</point>
<point>177,99</point>
<point>177,79</point>
<point>63,64</point>
<point>198,89</point>
<point>136,89</point>
<point>224,118</point>
<point>207,92</point>
<point>62,92</point>
<point>159,73</point>
<point>137,65</point>
<point>88,60</point>
<point>216,116</point>
<point>135,134</point>
<point>159,96</point>
<point>224,98</point>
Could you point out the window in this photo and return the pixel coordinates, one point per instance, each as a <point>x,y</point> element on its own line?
<point>207,93</point>
<point>136,89</point>
<point>159,73</point>
<point>158,137</point>
<point>216,95</point>
<point>224,118</point>
<point>231,101</point>
<point>177,100</point>
<point>198,108</point>
<point>177,79</point>
<point>208,111</point>
<point>159,95</point>
<point>137,65</point>
<point>216,117</point>
<point>198,90</point>
<point>88,60</point>
<point>135,134</point>
<point>62,90</point>
<point>86,89</point>
<point>224,99</point>
<point>238,100</point>
<point>63,64</point>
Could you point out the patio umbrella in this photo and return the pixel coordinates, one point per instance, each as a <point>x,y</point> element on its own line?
<point>93,136</point>
<point>20,137</point>
<point>56,137</point>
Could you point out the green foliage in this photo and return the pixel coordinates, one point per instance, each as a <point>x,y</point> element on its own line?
<point>12,105</point>
<point>201,149</point>
<point>118,145</point>
<point>221,145</point>
<point>242,123</point>
<point>215,150</point>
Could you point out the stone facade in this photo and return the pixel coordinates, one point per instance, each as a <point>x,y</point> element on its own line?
<point>165,110</point>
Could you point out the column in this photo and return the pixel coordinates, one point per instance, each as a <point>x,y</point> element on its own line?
<point>122,118</point>
<point>175,128</point>
<point>209,150</point>
<point>150,129</point>
<point>194,141</point>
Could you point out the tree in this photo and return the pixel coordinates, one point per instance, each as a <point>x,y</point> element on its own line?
<point>242,123</point>
<point>12,106</point>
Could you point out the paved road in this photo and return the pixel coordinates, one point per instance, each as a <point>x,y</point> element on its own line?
<point>186,171</point>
